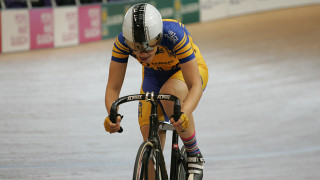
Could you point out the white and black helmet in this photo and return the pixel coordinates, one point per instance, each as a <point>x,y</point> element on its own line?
<point>142,27</point>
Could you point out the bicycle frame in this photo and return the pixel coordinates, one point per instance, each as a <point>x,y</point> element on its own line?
<point>153,131</point>
<point>154,138</point>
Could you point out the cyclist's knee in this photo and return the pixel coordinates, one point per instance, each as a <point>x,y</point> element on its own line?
<point>175,87</point>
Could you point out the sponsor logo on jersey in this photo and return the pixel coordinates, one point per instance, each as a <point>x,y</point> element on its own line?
<point>162,63</point>
<point>171,36</point>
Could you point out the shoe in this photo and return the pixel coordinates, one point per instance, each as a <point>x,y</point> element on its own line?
<point>195,166</point>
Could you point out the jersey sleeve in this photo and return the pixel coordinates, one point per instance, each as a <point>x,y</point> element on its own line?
<point>181,41</point>
<point>184,51</point>
<point>120,51</point>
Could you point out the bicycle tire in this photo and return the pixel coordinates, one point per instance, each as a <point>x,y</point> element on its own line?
<point>144,156</point>
<point>182,174</point>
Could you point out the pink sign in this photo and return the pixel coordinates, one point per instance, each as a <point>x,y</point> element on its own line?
<point>89,23</point>
<point>41,28</point>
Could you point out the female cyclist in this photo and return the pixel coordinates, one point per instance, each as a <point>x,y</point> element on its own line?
<point>171,64</point>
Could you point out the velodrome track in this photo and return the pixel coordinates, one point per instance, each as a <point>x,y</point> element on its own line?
<point>259,118</point>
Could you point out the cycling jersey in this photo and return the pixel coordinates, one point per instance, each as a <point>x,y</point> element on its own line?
<point>175,47</point>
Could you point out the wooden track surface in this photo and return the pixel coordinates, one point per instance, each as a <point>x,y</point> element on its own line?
<point>259,118</point>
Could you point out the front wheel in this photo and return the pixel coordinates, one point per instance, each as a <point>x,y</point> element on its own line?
<point>144,167</point>
<point>182,167</point>
<point>144,154</point>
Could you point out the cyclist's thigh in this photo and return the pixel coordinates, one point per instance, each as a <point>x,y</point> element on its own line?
<point>176,84</point>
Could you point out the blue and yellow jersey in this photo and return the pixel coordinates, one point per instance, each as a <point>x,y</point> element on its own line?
<point>176,47</point>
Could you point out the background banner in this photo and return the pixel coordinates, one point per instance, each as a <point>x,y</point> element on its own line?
<point>41,28</point>
<point>190,11</point>
<point>262,5</point>
<point>89,23</point>
<point>112,17</point>
<point>166,8</point>
<point>213,9</point>
<point>239,7</point>
<point>15,30</point>
<point>218,9</point>
<point>66,26</point>
<point>290,3</point>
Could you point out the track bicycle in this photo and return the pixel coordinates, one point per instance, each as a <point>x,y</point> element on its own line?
<point>150,151</point>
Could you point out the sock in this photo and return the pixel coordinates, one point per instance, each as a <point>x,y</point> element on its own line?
<point>191,144</point>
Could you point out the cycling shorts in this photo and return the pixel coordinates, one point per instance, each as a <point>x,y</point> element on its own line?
<point>153,81</point>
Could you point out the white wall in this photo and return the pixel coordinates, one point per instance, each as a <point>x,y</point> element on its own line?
<point>218,9</point>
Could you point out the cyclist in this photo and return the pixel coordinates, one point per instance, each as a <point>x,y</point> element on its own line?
<point>171,64</point>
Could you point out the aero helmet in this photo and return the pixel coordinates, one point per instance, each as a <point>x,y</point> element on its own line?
<point>142,27</point>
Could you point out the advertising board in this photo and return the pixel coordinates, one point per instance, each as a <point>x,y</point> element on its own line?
<point>15,30</point>
<point>41,28</point>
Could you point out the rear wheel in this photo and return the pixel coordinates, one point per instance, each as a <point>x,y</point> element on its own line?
<point>182,173</point>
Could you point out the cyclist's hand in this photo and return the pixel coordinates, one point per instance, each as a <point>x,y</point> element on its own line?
<point>112,127</point>
<point>182,124</point>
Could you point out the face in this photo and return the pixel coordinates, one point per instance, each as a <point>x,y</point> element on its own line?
<point>145,51</point>
<point>145,56</point>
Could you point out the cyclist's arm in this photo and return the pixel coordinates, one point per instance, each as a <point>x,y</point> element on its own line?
<point>116,77</point>
<point>192,78</point>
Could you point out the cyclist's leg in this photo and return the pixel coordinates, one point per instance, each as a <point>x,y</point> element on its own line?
<point>152,82</point>
<point>176,86</point>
